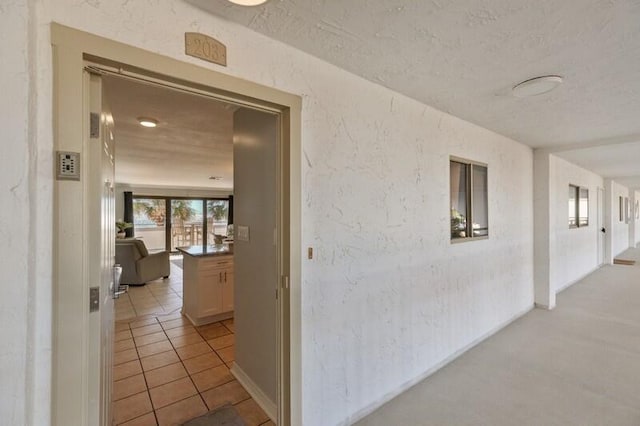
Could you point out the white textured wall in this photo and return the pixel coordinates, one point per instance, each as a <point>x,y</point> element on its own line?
<point>619,230</point>
<point>573,252</point>
<point>14,216</point>
<point>387,296</point>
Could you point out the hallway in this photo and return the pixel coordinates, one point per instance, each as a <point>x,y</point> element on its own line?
<point>575,365</point>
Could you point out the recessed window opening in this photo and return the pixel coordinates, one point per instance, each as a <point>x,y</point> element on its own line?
<point>578,207</point>
<point>469,200</point>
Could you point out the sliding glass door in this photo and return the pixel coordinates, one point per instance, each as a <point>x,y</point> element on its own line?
<point>165,223</point>
<point>149,222</point>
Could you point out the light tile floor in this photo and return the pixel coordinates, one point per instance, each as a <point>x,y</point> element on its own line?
<point>156,297</point>
<point>167,371</point>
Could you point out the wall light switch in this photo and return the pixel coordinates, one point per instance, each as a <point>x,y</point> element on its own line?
<point>242,233</point>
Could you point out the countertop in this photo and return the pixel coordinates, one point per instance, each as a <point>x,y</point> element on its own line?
<point>214,250</point>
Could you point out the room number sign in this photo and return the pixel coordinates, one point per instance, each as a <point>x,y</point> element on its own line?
<point>204,47</point>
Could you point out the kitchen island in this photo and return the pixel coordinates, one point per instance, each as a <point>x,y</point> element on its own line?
<point>207,281</point>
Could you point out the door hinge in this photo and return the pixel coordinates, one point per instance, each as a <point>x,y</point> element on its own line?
<point>94,299</point>
<point>94,125</point>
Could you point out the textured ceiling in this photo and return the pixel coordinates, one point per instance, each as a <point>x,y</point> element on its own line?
<point>193,139</point>
<point>463,57</point>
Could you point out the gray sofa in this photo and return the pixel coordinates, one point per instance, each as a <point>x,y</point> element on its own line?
<point>138,266</point>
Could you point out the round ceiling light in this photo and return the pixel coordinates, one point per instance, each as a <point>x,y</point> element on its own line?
<point>248,2</point>
<point>147,122</point>
<point>536,86</point>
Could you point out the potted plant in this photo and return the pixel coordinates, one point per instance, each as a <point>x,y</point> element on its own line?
<point>122,226</point>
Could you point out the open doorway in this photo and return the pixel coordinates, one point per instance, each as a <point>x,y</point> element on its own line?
<point>73,395</point>
<point>176,183</point>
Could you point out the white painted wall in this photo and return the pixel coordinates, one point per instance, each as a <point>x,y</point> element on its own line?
<point>619,229</point>
<point>25,222</point>
<point>387,297</point>
<point>573,252</point>
<point>15,224</point>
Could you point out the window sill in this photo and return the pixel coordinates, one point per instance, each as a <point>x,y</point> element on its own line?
<point>466,239</point>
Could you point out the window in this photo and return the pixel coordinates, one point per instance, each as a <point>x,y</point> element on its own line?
<point>167,222</point>
<point>578,207</point>
<point>469,204</point>
<point>621,209</point>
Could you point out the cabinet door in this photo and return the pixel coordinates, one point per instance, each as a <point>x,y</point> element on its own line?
<point>210,284</point>
<point>227,290</point>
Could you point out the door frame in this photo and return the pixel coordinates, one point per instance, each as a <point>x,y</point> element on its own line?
<point>601,243</point>
<point>71,48</point>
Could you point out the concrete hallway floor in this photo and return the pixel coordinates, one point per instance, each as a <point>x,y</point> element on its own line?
<point>578,364</point>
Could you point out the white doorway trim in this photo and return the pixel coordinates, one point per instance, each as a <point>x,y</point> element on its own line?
<point>71,291</point>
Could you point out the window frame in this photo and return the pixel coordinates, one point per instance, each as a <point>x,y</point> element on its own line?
<point>576,189</point>
<point>469,164</point>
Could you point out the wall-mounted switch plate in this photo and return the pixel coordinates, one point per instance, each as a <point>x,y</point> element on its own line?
<point>68,165</point>
<point>242,233</point>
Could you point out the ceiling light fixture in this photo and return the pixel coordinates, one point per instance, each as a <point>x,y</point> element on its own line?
<point>248,2</point>
<point>536,86</point>
<point>147,122</point>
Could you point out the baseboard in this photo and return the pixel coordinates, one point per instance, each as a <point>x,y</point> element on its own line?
<point>256,393</point>
<point>360,414</point>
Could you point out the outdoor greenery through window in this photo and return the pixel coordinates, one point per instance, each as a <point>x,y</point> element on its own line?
<point>578,206</point>
<point>469,199</point>
<point>165,223</point>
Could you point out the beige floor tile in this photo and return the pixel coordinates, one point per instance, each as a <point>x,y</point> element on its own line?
<point>171,392</point>
<point>230,324</point>
<point>143,322</point>
<point>165,374</point>
<point>181,331</point>
<point>147,329</point>
<point>230,393</point>
<point>148,419</point>
<point>185,340</point>
<point>177,322</point>
<point>178,413</point>
<point>227,354</point>
<point>159,360</point>
<point>202,362</point>
<point>150,338</point>
<point>123,345</point>
<point>127,369</point>
<point>157,309</point>
<point>165,318</point>
<point>129,386</point>
<point>154,348</point>
<point>131,407</point>
<point>212,378</point>
<point>121,326</point>
<point>212,331</point>
<point>191,351</point>
<point>251,413</point>
<point>125,356</point>
<point>222,342</point>
<point>122,335</point>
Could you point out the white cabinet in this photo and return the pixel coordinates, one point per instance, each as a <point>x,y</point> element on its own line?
<point>207,288</point>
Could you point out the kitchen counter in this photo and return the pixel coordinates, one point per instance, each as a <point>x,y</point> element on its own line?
<point>214,250</point>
